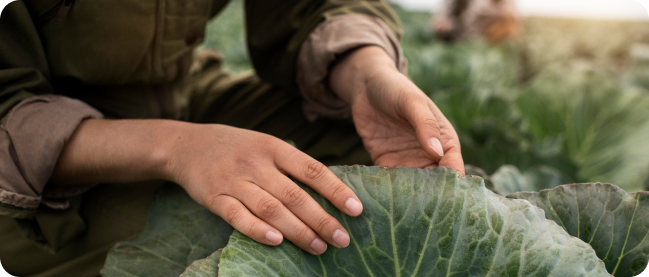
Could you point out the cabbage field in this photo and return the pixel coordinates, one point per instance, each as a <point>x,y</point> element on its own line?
<point>567,102</point>
<point>569,94</point>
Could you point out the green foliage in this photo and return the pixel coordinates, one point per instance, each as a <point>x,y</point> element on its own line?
<point>226,34</point>
<point>613,222</point>
<point>508,179</point>
<point>425,223</point>
<point>205,267</point>
<point>178,232</point>
<point>415,222</point>
<point>569,94</point>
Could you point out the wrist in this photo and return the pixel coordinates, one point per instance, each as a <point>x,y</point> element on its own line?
<point>165,152</point>
<point>350,74</point>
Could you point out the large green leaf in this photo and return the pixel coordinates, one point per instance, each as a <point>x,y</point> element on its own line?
<point>178,232</point>
<point>613,222</point>
<point>425,223</point>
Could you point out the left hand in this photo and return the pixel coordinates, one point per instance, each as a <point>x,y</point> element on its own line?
<point>399,124</point>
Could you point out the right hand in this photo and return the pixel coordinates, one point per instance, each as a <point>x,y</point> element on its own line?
<point>241,175</point>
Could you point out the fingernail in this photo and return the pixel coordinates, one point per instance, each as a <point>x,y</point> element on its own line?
<point>318,246</point>
<point>273,238</point>
<point>436,145</point>
<point>353,206</point>
<point>341,238</point>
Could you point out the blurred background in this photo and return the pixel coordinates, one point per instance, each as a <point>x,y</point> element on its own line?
<point>566,97</point>
<point>594,9</point>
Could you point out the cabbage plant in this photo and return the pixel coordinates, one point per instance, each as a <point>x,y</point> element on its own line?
<point>415,223</point>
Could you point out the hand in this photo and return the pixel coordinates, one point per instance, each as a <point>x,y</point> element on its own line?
<point>237,174</point>
<point>240,175</point>
<point>399,124</point>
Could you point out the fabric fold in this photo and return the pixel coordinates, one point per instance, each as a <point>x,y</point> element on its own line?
<point>333,38</point>
<point>32,136</point>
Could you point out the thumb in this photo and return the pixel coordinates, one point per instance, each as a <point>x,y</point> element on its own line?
<point>427,129</point>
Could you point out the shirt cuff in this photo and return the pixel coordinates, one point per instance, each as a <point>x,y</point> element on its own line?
<point>331,39</point>
<point>32,136</point>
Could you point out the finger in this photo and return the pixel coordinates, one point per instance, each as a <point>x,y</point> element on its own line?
<point>271,210</point>
<point>453,152</point>
<point>453,159</point>
<point>301,204</point>
<point>422,119</point>
<point>240,218</point>
<point>317,176</point>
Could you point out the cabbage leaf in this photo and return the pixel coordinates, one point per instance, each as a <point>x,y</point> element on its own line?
<point>613,222</point>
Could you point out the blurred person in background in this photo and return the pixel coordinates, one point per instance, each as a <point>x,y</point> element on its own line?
<point>494,20</point>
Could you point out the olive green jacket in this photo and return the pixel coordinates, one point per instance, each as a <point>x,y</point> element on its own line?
<point>107,51</point>
<point>122,42</point>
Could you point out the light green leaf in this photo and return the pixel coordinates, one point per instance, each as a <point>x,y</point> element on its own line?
<point>613,222</point>
<point>425,223</point>
<point>204,268</point>
<point>178,232</point>
<point>508,179</point>
<point>471,170</point>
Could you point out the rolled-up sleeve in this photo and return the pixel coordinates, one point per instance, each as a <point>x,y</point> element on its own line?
<point>32,136</point>
<point>34,124</point>
<point>277,29</point>
<point>330,40</point>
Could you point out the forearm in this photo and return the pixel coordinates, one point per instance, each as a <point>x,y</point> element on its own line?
<point>117,151</point>
<point>349,76</point>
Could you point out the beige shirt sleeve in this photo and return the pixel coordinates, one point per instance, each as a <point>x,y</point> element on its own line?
<point>331,39</point>
<point>32,136</point>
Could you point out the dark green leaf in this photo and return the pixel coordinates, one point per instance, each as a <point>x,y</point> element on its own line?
<point>613,222</point>
<point>178,232</point>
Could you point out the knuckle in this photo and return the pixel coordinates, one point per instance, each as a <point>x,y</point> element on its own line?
<point>248,163</point>
<point>314,170</point>
<point>212,198</point>
<point>338,190</point>
<point>273,145</point>
<point>323,222</point>
<point>430,121</point>
<point>252,227</point>
<point>295,197</point>
<point>233,214</point>
<point>302,234</point>
<point>269,208</point>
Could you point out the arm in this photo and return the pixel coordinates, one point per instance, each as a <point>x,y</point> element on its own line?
<point>240,175</point>
<point>376,68</point>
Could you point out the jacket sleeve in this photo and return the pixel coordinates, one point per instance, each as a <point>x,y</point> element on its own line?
<point>34,123</point>
<point>332,39</point>
<point>276,30</point>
